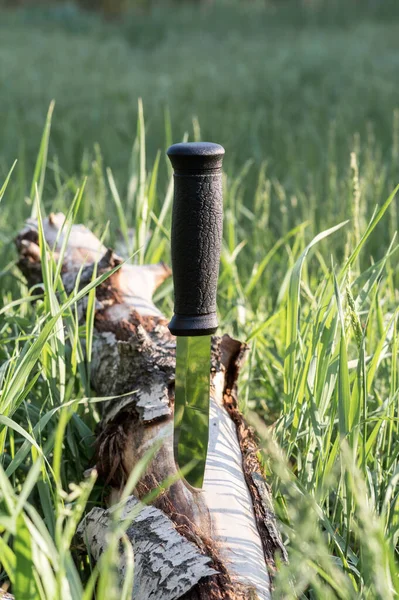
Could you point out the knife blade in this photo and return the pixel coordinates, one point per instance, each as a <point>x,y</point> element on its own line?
<point>197,222</point>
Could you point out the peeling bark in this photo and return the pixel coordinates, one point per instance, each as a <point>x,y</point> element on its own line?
<point>224,538</point>
<point>167,565</point>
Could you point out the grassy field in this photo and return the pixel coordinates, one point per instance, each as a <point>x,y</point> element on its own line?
<point>306,103</point>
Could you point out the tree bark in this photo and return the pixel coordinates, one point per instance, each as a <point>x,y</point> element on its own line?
<point>218,543</point>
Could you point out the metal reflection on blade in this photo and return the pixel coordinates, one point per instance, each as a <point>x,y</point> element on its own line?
<point>191,419</point>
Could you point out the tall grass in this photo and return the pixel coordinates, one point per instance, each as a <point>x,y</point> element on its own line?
<point>309,272</point>
<point>275,86</point>
<point>321,318</point>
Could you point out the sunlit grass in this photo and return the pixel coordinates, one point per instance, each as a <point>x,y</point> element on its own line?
<point>321,319</point>
<point>309,278</point>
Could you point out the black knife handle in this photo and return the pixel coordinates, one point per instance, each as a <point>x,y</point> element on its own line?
<point>197,223</point>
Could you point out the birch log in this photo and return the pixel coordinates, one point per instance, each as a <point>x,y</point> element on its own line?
<point>218,543</point>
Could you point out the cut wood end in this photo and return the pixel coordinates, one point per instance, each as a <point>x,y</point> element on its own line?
<point>131,287</point>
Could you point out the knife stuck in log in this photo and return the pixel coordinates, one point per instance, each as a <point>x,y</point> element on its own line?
<point>197,223</point>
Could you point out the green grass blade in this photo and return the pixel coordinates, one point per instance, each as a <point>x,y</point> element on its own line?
<point>293,310</point>
<point>24,583</point>
<point>41,163</point>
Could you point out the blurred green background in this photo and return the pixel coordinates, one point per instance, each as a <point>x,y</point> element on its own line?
<point>296,84</point>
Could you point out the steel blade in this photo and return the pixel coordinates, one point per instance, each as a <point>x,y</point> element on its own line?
<point>191,419</point>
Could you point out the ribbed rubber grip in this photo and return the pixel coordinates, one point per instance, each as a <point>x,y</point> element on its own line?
<point>197,223</point>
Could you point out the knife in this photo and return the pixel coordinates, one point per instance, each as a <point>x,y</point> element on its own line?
<point>197,223</point>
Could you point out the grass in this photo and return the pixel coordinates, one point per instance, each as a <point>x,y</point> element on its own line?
<point>277,87</point>
<point>305,103</point>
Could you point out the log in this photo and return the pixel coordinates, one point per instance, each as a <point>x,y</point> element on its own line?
<point>217,543</point>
